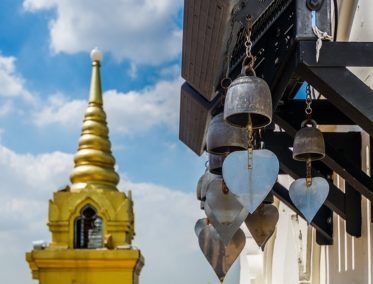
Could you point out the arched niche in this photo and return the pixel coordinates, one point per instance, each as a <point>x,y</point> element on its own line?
<point>88,229</point>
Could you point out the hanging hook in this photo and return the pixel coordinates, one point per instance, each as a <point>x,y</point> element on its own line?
<point>249,26</point>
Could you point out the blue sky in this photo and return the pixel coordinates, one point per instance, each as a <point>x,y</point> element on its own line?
<point>25,36</point>
<point>44,81</point>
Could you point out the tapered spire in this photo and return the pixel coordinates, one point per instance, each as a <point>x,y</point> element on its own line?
<point>94,162</point>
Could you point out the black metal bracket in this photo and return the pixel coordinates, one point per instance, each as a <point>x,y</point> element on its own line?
<point>342,88</point>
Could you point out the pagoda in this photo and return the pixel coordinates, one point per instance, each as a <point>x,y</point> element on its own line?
<point>91,221</point>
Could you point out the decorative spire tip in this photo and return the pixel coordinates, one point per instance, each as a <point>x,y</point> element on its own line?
<point>96,55</point>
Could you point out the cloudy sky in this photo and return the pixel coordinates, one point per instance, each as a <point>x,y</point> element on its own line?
<point>44,81</point>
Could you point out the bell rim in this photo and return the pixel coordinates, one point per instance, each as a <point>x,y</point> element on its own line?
<point>215,165</point>
<point>316,157</point>
<point>216,171</point>
<point>231,148</point>
<point>269,118</point>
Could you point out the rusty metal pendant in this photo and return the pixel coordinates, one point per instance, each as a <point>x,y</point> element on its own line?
<point>225,213</point>
<point>201,189</point>
<point>223,138</point>
<point>251,183</point>
<point>309,198</point>
<point>220,257</point>
<point>248,97</point>
<point>262,223</point>
<point>308,143</point>
<point>216,163</point>
<point>200,225</point>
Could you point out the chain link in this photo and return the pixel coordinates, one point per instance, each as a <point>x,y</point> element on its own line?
<point>308,109</point>
<point>250,140</point>
<point>249,60</point>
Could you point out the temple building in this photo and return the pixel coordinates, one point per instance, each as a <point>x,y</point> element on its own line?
<point>91,221</point>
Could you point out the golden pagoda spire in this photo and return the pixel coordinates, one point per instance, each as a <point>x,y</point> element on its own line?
<point>94,162</point>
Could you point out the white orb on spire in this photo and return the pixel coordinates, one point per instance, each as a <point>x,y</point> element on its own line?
<point>96,54</point>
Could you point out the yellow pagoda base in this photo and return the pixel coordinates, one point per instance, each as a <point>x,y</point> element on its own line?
<point>85,266</point>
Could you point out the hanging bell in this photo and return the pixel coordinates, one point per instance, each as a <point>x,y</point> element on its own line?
<point>308,142</point>
<point>248,97</point>
<point>216,163</point>
<point>223,138</point>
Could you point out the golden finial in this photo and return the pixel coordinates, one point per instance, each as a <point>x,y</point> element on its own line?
<point>94,162</point>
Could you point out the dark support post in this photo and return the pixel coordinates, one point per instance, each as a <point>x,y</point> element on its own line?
<point>353,209</point>
<point>325,216</point>
<point>323,111</point>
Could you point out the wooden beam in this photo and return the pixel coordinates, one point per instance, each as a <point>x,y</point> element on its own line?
<point>325,215</point>
<point>337,54</point>
<point>353,209</point>
<point>323,111</point>
<point>195,116</point>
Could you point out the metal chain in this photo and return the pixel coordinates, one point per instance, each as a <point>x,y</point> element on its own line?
<point>249,60</point>
<point>308,109</point>
<point>250,139</point>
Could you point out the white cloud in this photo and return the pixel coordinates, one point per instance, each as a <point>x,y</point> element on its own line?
<point>59,110</point>
<point>12,84</point>
<point>27,182</point>
<point>131,112</point>
<point>141,31</point>
<point>6,108</point>
<point>164,220</point>
<point>132,72</point>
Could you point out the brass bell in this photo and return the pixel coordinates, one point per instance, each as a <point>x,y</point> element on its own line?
<point>216,163</point>
<point>223,138</point>
<point>248,97</point>
<point>308,143</point>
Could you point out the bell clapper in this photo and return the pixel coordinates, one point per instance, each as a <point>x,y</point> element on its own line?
<point>308,173</point>
<point>250,143</point>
